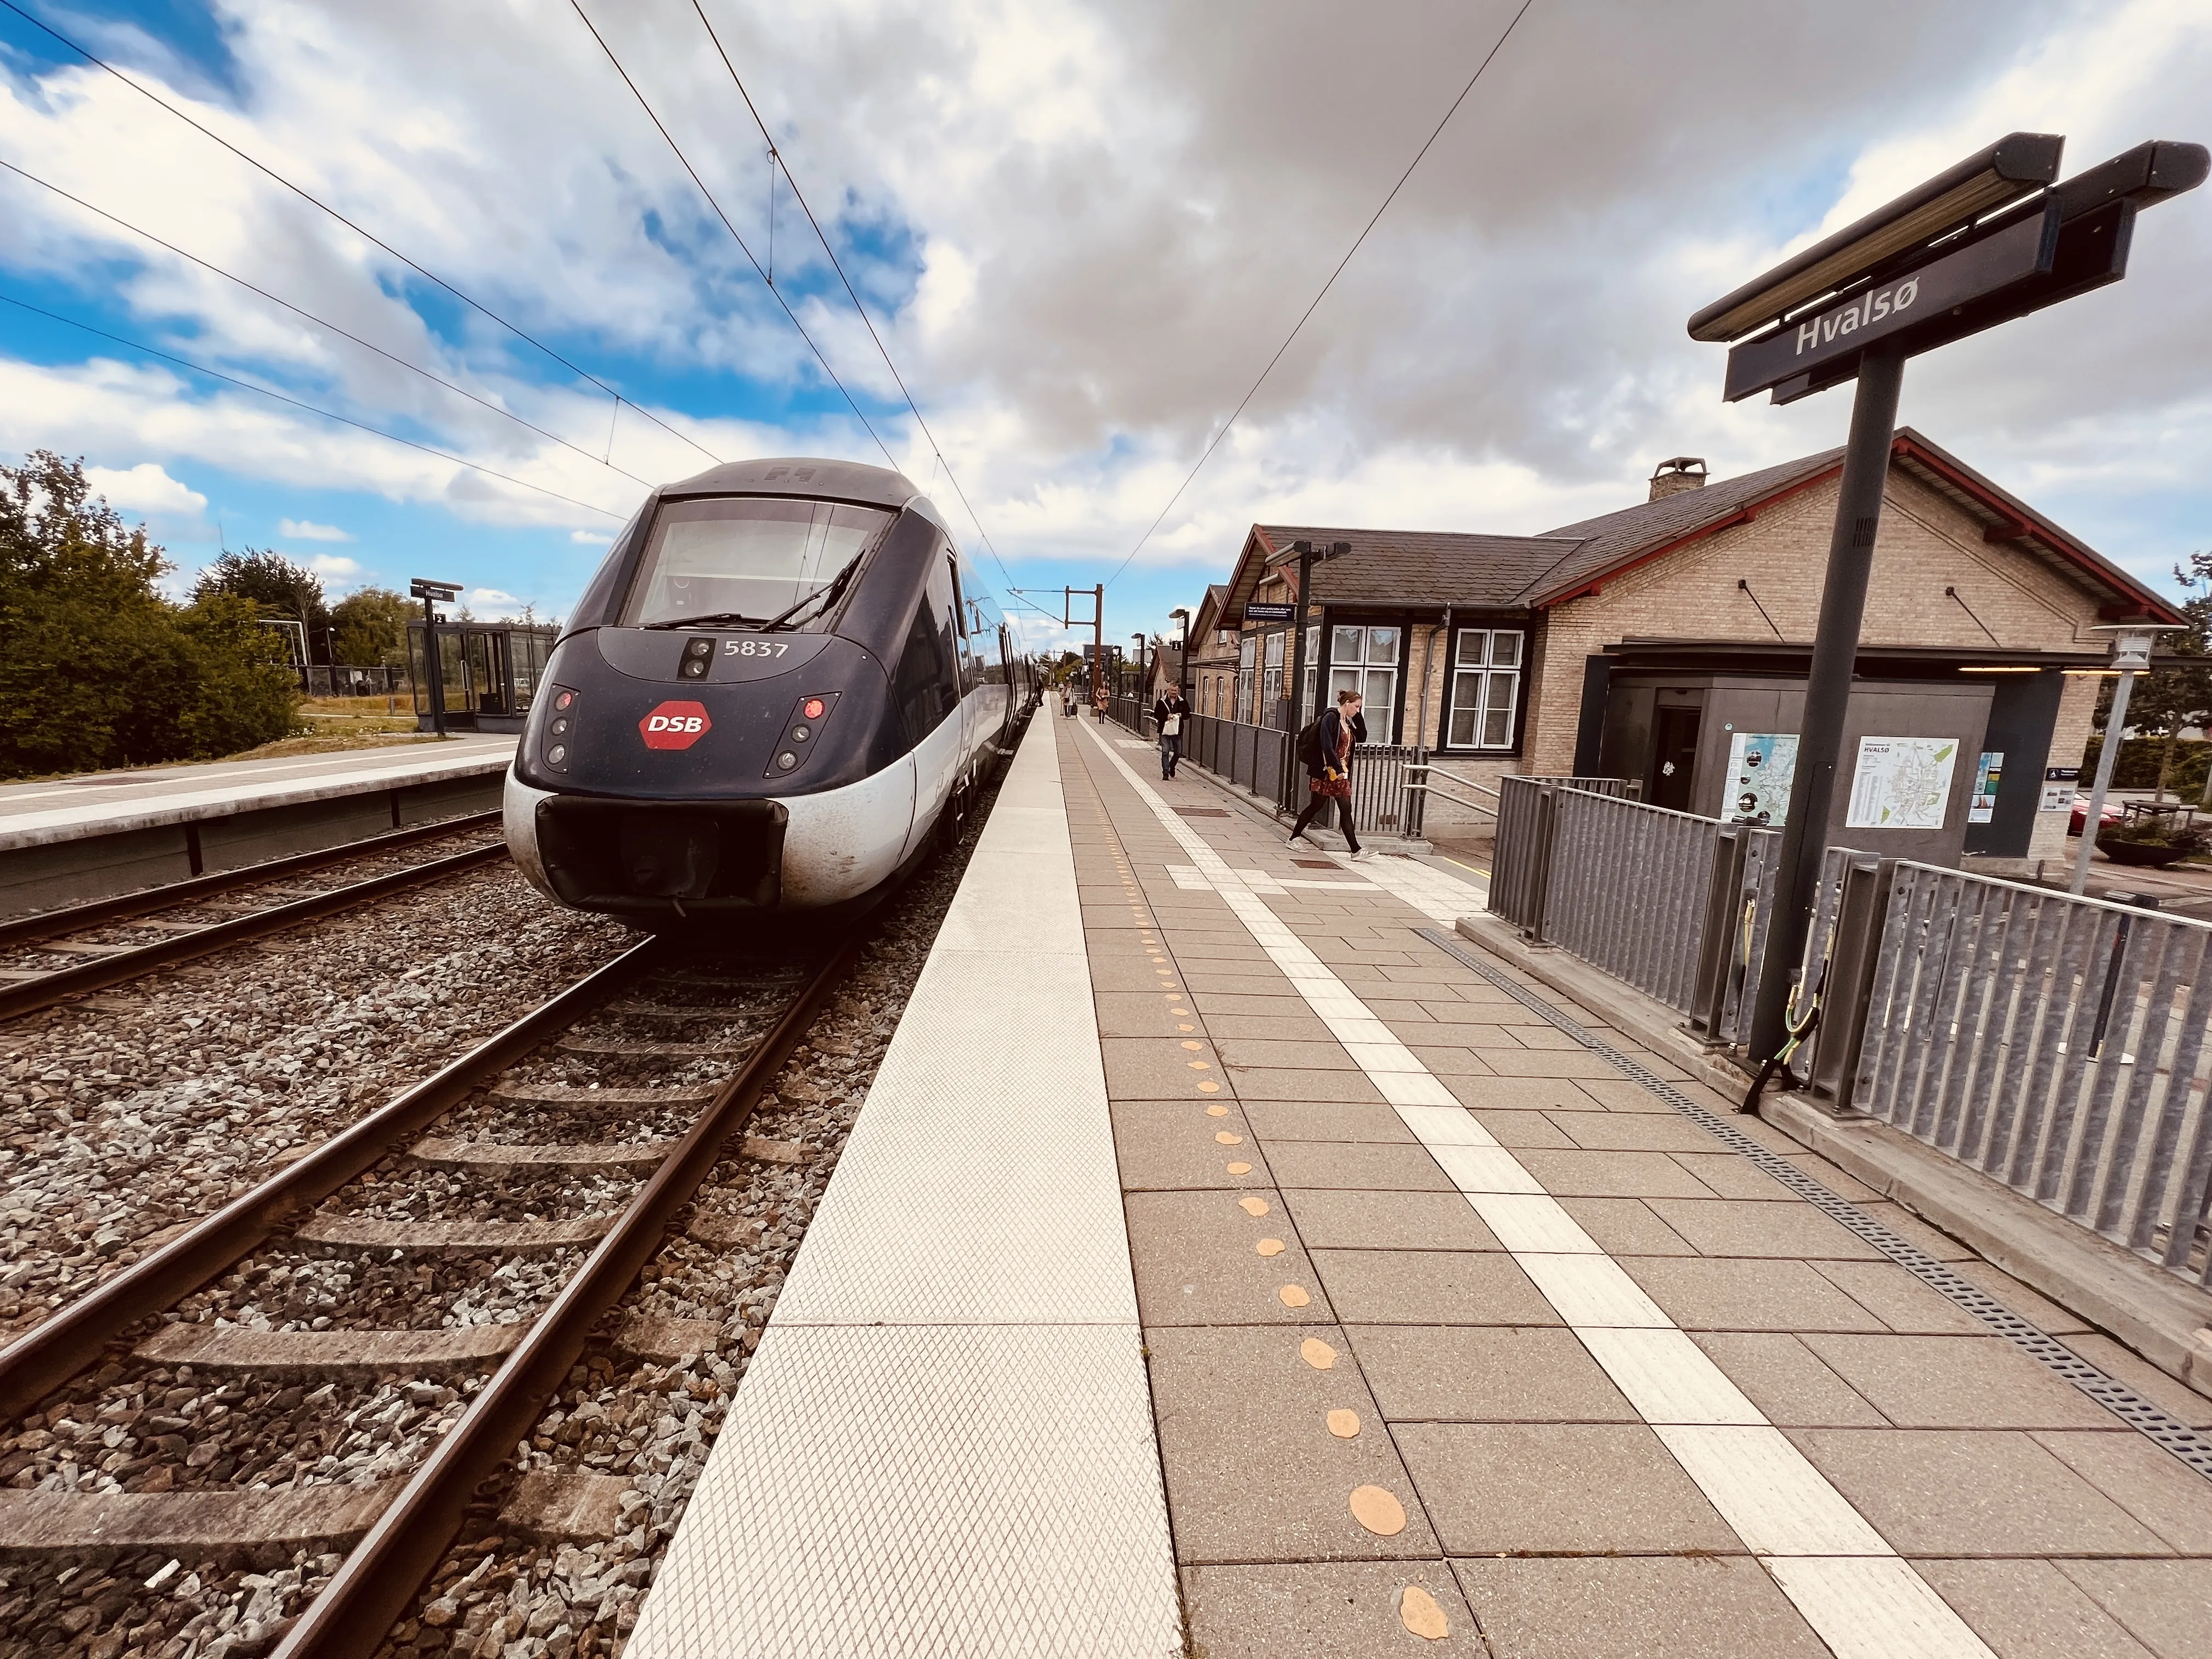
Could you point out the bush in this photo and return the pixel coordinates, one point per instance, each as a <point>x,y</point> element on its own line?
<point>2159,829</point>
<point>96,668</point>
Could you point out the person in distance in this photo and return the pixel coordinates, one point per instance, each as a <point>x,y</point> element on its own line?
<point>1169,715</point>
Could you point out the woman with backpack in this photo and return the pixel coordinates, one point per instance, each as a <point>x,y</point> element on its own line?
<point>1326,748</point>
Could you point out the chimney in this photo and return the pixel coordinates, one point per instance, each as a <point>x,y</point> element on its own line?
<point>1673,477</point>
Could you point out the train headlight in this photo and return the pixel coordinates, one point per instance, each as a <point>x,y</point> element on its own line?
<point>553,740</point>
<point>800,728</point>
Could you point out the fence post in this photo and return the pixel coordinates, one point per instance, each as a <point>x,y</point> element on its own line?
<point>1854,953</point>
<point>1540,897</point>
<point>1717,940</point>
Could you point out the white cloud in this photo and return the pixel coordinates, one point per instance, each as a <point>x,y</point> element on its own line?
<point>333,567</point>
<point>307,529</point>
<point>145,487</point>
<point>590,539</point>
<point>491,595</point>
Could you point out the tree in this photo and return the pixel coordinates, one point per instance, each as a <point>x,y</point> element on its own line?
<point>96,668</point>
<point>2176,698</point>
<point>282,589</point>
<point>372,627</point>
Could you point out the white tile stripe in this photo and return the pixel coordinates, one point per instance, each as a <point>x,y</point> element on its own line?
<point>1855,1591</point>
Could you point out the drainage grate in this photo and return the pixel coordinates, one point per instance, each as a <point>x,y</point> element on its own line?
<point>2186,1443</point>
<point>1203,811</point>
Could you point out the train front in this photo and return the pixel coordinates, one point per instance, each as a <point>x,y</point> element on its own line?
<point>716,732</point>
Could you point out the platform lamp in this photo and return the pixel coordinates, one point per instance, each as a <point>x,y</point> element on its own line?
<point>1183,660</point>
<point>2131,644</point>
<point>1139,639</point>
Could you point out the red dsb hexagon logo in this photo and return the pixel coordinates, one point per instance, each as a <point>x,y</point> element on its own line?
<point>675,725</point>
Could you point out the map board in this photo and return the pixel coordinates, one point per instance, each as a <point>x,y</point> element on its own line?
<point>1901,783</point>
<point>1761,765</point>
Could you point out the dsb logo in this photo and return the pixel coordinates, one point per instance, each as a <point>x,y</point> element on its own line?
<point>675,725</point>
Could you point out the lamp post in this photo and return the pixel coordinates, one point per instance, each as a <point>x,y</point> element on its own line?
<point>1139,639</point>
<point>1182,658</point>
<point>2131,644</point>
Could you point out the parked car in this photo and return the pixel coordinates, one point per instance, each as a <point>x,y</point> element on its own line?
<point>2114,812</point>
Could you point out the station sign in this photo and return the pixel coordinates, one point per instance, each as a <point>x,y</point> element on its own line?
<point>1271,613</point>
<point>443,593</point>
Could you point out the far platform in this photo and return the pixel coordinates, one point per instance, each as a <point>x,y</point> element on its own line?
<point>66,839</point>
<point>1457,1338</point>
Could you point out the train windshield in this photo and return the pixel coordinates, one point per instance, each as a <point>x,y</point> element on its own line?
<point>749,561</point>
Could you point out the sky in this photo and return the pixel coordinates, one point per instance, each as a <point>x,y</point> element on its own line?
<point>1079,231</point>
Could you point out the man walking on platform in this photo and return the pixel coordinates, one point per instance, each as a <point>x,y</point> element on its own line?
<point>1169,715</point>
<point>1326,748</point>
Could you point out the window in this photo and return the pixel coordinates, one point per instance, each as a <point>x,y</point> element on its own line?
<point>1246,653</point>
<point>729,561</point>
<point>1273,694</point>
<point>924,686</point>
<point>1306,710</point>
<point>1486,687</point>
<point>1365,660</point>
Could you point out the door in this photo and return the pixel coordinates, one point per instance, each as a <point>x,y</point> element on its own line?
<point>1674,757</point>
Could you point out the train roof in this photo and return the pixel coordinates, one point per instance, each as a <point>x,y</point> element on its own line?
<point>841,480</point>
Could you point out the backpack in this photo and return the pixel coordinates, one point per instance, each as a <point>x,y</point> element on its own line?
<point>1310,744</point>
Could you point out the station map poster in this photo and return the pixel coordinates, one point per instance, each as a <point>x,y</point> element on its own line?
<point>1901,783</point>
<point>1989,772</point>
<point>1761,766</point>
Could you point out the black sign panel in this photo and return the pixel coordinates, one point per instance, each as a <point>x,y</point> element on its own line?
<point>444,593</point>
<point>1269,613</point>
<point>2018,253</point>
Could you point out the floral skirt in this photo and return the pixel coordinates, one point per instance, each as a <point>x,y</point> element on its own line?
<point>1336,788</point>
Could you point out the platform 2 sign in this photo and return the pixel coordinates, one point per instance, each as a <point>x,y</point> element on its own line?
<point>2016,254</point>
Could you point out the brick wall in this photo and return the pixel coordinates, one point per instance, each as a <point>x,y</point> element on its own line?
<point>1925,544</point>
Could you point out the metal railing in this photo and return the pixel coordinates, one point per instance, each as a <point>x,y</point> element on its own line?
<point>1256,757</point>
<point>1421,783</point>
<point>1519,864</point>
<point>2056,1044</point>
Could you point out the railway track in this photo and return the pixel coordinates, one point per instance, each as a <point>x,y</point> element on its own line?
<point>381,1192</point>
<point>91,958</point>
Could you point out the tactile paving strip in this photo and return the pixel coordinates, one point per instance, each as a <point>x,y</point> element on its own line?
<point>2186,1443</point>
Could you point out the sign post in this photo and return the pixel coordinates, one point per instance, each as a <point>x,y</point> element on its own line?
<point>433,594</point>
<point>1993,238</point>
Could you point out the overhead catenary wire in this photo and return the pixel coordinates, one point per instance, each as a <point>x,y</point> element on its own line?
<point>328,415</point>
<point>1496,47</point>
<point>661,127</point>
<point>325,323</point>
<point>306,196</point>
<point>780,163</point>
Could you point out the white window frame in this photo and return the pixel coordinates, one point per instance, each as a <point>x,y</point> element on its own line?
<point>1370,669</point>
<point>1482,693</point>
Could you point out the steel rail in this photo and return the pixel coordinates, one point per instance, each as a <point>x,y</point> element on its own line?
<point>44,924</point>
<point>72,1338</point>
<point>28,996</point>
<point>379,1580</point>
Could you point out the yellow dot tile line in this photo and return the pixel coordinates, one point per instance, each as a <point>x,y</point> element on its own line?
<point>1844,1578</point>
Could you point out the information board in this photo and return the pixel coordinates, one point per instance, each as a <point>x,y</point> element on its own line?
<point>1761,765</point>
<point>1901,783</point>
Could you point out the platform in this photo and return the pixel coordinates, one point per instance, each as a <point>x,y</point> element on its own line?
<point>66,839</point>
<point>1462,1334</point>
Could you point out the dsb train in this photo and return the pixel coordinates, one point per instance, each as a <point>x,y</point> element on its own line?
<point>783,680</point>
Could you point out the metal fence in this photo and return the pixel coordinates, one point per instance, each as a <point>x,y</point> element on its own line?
<point>2057,1044</point>
<point>349,680</point>
<point>1518,876</point>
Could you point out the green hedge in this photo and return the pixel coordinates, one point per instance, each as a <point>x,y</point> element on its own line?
<point>2137,767</point>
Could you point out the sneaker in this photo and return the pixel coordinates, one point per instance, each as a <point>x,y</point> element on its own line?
<point>1298,841</point>
<point>1362,856</point>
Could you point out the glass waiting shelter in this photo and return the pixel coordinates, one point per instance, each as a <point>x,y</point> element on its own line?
<point>489,673</point>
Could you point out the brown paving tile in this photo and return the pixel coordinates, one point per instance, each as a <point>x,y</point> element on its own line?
<point>1282,1002</point>
<point>1972,1492</point>
<point>1109,973</point>
<point>1452,1062</point>
<point>1327,1119</point>
<point>1797,1232</point>
<point>1140,1014</point>
<point>1899,1300</point>
<point>1615,1094</point>
<point>2044,1314</point>
<point>1196,1262</point>
<point>1555,1488</point>
<point>1911,1229</point>
<point>1160,1068</point>
<point>1612,1175</point>
<point>1167,1144</point>
<point>1519,1129</point>
<point>1730,1175</point>
<point>1430,1287</point>
<point>1263,1027</point>
<point>1721,1294</point>
<point>1393,1221</point>
<point>2167,1605</point>
<point>1625,1226</point>
<point>1315,1051</point>
<point>1520,1094</point>
<point>2144,1478</point>
<point>1786,1380</point>
<point>2029,1610</point>
<point>1289,1082</point>
<point>1957,1382</point>
<point>1632,1132</point>
<point>1705,1606</point>
<point>1360,1166</point>
<point>1204,981</point>
<point>1484,1374</point>
<point>1321,1610</point>
<point>1837,1180</point>
<point>1253,1472</point>
<point>1535,1062</point>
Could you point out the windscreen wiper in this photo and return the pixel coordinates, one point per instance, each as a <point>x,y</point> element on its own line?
<point>712,619</point>
<point>828,594</point>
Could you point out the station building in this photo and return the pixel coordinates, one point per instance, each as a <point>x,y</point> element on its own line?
<point>1656,642</point>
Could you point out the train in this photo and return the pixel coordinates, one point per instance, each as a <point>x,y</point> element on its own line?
<point>782,682</point>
